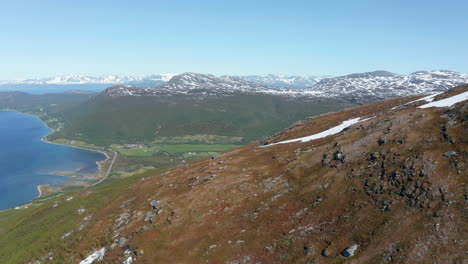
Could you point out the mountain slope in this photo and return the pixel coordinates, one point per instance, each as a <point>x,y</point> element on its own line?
<point>382,84</point>
<point>138,119</point>
<point>190,104</point>
<point>388,189</point>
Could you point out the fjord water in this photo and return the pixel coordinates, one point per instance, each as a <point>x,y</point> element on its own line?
<point>26,161</point>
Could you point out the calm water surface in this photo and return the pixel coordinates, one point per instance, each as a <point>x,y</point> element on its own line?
<point>26,161</point>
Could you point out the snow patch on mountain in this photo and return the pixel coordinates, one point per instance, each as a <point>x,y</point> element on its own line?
<point>447,102</point>
<point>291,81</point>
<point>332,131</point>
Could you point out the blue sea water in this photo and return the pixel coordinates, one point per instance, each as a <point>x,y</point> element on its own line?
<point>26,161</point>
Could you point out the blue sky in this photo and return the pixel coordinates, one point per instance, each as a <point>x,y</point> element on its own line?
<point>44,38</point>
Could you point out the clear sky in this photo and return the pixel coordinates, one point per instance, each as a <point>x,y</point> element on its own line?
<point>95,37</point>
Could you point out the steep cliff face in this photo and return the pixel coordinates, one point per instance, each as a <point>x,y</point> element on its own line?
<point>389,188</point>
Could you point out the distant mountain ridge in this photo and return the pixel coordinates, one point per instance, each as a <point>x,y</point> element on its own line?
<point>367,85</point>
<point>291,81</point>
<point>383,84</point>
<point>197,84</point>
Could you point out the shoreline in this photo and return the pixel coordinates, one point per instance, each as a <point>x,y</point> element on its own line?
<point>45,140</point>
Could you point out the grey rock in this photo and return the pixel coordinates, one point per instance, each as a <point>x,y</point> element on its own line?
<point>154,204</point>
<point>206,179</point>
<point>349,251</point>
<point>450,153</point>
<point>325,252</point>
<point>123,242</point>
<point>338,155</point>
<point>149,217</point>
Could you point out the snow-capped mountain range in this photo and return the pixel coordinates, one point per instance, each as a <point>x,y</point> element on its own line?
<point>377,84</point>
<point>385,84</point>
<point>83,79</point>
<point>202,85</point>
<point>291,81</point>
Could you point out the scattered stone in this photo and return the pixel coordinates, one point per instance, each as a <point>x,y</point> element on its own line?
<point>154,204</point>
<point>375,156</point>
<point>349,251</point>
<point>123,242</point>
<point>326,252</point>
<point>149,217</point>
<point>450,153</point>
<point>381,142</point>
<point>129,260</point>
<point>124,204</point>
<point>338,155</point>
<point>206,179</point>
<point>308,250</point>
